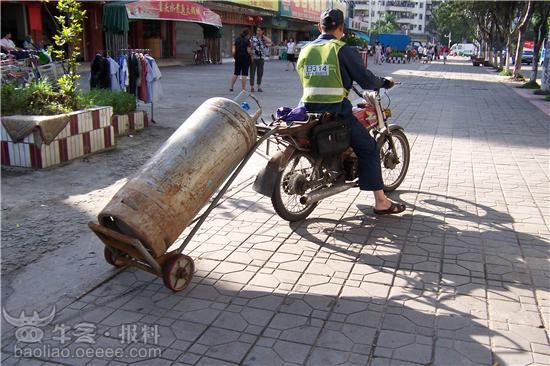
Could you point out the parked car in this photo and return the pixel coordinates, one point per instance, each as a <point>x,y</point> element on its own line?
<point>463,49</point>
<point>527,57</point>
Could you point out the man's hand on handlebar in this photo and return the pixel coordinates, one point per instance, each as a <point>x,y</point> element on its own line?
<point>388,83</point>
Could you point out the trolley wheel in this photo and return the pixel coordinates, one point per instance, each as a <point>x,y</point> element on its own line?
<point>112,256</point>
<point>177,272</point>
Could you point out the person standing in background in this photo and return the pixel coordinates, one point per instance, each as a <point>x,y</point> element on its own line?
<point>241,54</point>
<point>378,53</point>
<point>260,52</point>
<point>212,37</point>
<point>290,56</point>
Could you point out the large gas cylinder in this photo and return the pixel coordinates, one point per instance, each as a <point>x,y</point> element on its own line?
<point>162,198</point>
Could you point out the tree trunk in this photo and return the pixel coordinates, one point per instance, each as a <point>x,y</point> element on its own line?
<point>545,81</point>
<point>528,11</point>
<point>519,52</point>
<point>508,53</point>
<point>541,31</point>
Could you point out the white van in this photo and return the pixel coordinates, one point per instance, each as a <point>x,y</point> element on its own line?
<point>463,49</point>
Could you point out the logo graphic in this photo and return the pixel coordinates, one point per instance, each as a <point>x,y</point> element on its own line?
<point>29,326</point>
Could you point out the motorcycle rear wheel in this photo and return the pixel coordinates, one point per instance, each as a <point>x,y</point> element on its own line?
<point>394,173</point>
<point>289,188</point>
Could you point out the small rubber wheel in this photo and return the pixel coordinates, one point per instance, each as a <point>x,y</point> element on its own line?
<point>177,272</point>
<point>113,257</point>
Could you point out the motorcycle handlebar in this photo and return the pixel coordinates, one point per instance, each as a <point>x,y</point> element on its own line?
<point>377,90</point>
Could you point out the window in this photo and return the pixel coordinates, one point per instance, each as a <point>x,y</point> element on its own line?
<point>421,5</point>
<point>419,27</point>
<point>419,16</point>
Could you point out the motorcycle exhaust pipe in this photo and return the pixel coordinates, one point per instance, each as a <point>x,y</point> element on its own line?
<point>321,194</point>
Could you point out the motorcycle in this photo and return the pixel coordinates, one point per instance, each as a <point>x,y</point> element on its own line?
<point>315,161</point>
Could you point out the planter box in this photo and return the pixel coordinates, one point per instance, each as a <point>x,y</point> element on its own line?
<point>51,140</point>
<point>125,124</point>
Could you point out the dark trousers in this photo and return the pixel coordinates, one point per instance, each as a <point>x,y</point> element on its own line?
<point>364,146</point>
<point>256,66</point>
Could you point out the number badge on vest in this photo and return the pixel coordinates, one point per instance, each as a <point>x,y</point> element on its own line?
<point>317,70</point>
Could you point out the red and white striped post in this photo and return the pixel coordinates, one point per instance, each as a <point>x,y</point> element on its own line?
<point>364,55</point>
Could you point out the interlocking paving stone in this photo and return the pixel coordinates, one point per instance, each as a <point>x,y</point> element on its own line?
<point>460,278</point>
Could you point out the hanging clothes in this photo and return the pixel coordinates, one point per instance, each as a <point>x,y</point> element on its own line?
<point>123,72</point>
<point>143,84</point>
<point>140,71</point>
<point>133,74</point>
<point>114,74</point>
<point>100,76</point>
<point>154,87</point>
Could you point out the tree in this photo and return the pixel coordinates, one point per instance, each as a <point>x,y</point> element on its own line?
<point>67,41</point>
<point>386,25</point>
<point>541,19</point>
<point>523,23</point>
<point>448,18</point>
<point>545,82</point>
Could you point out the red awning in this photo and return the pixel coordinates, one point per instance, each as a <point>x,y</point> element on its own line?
<point>180,10</point>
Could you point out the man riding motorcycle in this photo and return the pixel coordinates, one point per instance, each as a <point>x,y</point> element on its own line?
<point>327,68</point>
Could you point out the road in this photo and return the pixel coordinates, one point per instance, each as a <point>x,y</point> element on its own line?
<point>460,278</point>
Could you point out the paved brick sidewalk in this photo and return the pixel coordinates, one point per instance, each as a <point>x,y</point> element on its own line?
<point>461,278</point>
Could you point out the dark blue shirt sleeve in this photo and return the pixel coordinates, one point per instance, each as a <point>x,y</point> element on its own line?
<point>351,62</point>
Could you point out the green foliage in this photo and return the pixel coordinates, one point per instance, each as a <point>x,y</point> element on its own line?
<point>355,41</point>
<point>541,92</point>
<point>67,41</point>
<point>518,77</point>
<point>505,72</point>
<point>397,54</point>
<point>41,98</point>
<point>449,17</point>
<point>11,100</point>
<point>547,98</point>
<point>386,25</point>
<point>121,102</point>
<point>530,85</point>
<point>37,98</point>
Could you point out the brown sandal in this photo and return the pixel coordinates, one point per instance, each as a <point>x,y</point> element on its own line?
<point>395,208</point>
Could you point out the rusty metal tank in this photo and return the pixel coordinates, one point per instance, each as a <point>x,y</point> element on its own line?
<point>163,197</point>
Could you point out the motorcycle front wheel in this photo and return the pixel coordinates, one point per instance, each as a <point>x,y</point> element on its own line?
<point>394,163</point>
<point>291,184</point>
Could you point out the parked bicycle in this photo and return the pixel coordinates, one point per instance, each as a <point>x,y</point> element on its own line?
<point>200,55</point>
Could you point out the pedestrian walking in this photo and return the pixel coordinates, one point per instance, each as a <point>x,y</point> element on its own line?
<point>260,51</point>
<point>241,54</point>
<point>290,56</point>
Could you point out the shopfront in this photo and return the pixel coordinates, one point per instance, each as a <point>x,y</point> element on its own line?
<point>37,19</point>
<point>14,21</point>
<point>237,15</point>
<point>169,28</point>
<point>303,16</point>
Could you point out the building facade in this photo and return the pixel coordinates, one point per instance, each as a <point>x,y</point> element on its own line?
<point>168,27</point>
<point>412,15</point>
